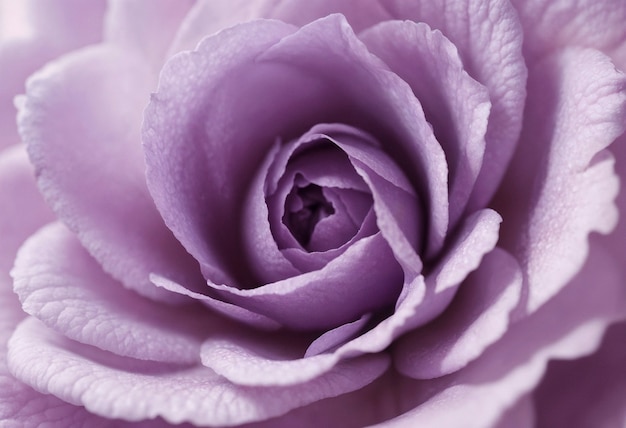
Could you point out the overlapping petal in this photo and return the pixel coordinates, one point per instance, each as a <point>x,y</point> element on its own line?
<point>118,387</point>
<point>59,283</point>
<point>576,108</point>
<point>513,366</point>
<point>90,168</point>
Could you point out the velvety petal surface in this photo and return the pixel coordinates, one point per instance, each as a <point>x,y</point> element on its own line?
<point>194,120</point>
<point>59,283</point>
<point>488,37</point>
<point>129,389</point>
<point>455,104</point>
<point>22,212</point>
<point>33,32</point>
<point>511,368</point>
<point>80,119</point>
<point>477,317</point>
<point>576,108</point>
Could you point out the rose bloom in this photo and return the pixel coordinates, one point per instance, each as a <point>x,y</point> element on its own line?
<point>312,213</point>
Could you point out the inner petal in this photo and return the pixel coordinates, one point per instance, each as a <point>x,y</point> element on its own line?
<point>305,208</point>
<point>319,202</point>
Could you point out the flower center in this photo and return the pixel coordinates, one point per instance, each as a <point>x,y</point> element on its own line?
<point>304,208</point>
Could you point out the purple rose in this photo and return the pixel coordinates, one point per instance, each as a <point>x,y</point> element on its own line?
<point>312,213</point>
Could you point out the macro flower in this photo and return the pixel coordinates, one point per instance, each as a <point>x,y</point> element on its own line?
<point>311,213</point>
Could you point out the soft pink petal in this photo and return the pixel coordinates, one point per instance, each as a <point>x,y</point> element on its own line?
<point>576,108</point>
<point>80,119</point>
<point>488,37</point>
<point>550,25</point>
<point>477,317</point>
<point>134,390</point>
<point>587,392</point>
<point>455,104</point>
<point>146,27</point>
<point>33,32</point>
<point>569,326</point>
<point>59,283</point>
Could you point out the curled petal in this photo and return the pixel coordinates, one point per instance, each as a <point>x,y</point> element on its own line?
<point>89,164</point>
<point>576,108</point>
<point>477,317</point>
<point>455,104</point>
<point>59,283</point>
<point>133,390</point>
<point>147,28</point>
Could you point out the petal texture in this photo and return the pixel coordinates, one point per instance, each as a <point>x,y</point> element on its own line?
<point>488,36</point>
<point>513,366</point>
<point>576,108</point>
<point>134,390</point>
<point>477,317</point>
<point>58,282</point>
<point>83,140</point>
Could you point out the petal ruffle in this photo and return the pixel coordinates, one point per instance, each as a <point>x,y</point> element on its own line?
<point>511,368</point>
<point>455,104</point>
<point>551,25</point>
<point>134,390</point>
<point>488,36</point>
<point>83,139</point>
<point>576,108</point>
<point>59,283</point>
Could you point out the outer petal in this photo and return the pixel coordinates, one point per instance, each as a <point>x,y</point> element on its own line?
<point>587,392</point>
<point>576,108</point>
<point>365,278</point>
<point>508,370</point>
<point>134,390</point>
<point>210,16</point>
<point>59,283</point>
<point>552,25</point>
<point>22,211</point>
<point>477,317</point>
<point>33,32</point>
<point>83,139</point>
<point>489,39</point>
<point>146,27</point>
<point>455,104</point>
